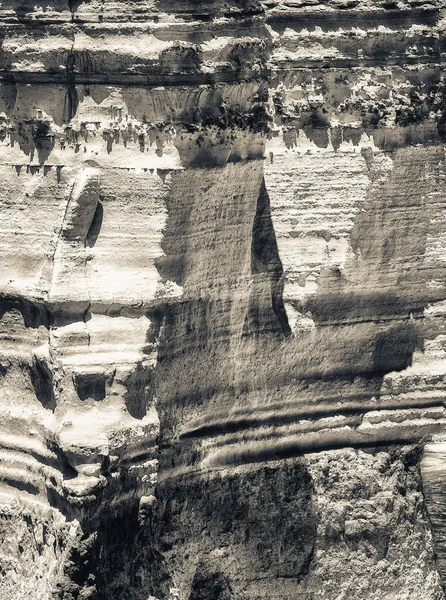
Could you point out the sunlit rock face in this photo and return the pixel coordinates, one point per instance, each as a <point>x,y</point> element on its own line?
<point>222,300</point>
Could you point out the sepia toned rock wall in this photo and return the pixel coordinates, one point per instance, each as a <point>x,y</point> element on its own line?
<point>222,300</point>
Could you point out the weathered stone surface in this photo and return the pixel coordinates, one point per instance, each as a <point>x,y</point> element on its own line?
<point>222,300</point>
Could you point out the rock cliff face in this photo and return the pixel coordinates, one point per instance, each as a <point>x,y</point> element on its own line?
<point>222,300</point>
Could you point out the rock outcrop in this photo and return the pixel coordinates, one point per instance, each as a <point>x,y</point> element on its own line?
<point>222,300</point>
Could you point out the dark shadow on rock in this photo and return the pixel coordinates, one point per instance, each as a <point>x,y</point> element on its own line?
<point>74,4</point>
<point>172,265</point>
<point>114,557</point>
<point>90,385</point>
<point>394,348</point>
<point>35,135</point>
<point>71,101</point>
<point>42,380</point>
<point>266,310</point>
<point>385,282</point>
<point>222,530</point>
<point>139,393</point>
<point>44,141</point>
<point>34,312</point>
<point>210,585</point>
<point>95,226</point>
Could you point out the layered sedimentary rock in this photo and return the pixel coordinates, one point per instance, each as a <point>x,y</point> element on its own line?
<point>222,300</point>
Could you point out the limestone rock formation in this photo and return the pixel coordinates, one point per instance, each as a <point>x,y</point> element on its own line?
<point>222,300</point>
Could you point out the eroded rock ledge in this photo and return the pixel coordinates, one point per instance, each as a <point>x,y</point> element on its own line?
<point>222,300</point>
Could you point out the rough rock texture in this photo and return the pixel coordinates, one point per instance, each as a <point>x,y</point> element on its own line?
<point>222,300</point>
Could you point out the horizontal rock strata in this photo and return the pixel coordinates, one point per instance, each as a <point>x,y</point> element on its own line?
<point>222,300</point>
